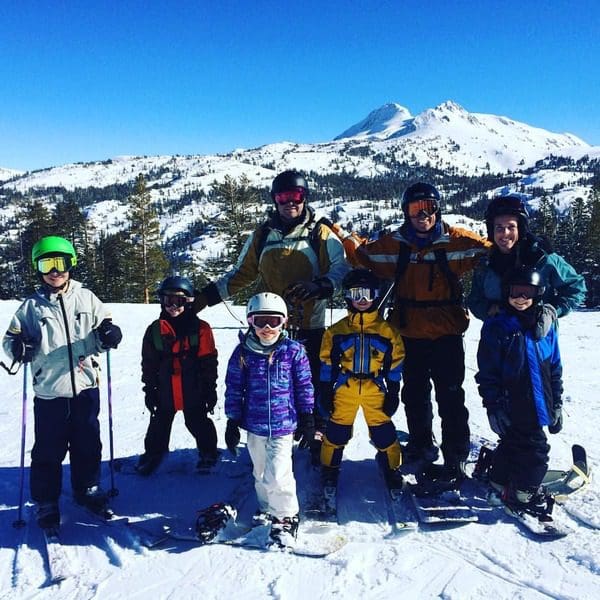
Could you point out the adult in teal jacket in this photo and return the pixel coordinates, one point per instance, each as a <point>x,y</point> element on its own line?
<point>516,246</point>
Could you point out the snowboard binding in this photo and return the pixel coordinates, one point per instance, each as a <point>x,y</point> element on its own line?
<point>213,519</point>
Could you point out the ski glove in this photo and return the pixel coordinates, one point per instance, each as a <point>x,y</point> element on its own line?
<point>305,430</point>
<point>301,291</point>
<point>109,334</point>
<point>200,301</point>
<point>151,401</point>
<point>326,398</point>
<point>22,350</point>
<point>499,420</point>
<point>558,423</point>
<point>232,435</point>
<point>392,398</point>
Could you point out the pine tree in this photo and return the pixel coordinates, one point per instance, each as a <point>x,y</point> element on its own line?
<point>145,261</point>
<point>593,236</point>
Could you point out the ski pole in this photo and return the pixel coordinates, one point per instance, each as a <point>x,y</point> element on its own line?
<point>113,490</point>
<point>20,522</point>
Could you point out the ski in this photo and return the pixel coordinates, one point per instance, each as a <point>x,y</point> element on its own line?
<point>441,507</point>
<point>58,561</point>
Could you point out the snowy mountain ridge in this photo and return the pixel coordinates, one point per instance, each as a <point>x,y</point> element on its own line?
<point>447,137</point>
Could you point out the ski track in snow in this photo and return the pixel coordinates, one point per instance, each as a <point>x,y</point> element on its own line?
<point>495,558</point>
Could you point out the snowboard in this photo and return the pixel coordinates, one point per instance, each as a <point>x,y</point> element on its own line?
<point>561,484</point>
<point>317,540</point>
<point>550,529</point>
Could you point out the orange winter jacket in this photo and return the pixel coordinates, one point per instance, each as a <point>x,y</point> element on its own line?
<point>427,297</point>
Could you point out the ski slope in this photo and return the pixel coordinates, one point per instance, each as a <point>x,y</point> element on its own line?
<point>493,559</point>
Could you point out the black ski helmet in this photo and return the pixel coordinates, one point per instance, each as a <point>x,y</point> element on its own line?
<point>421,191</point>
<point>524,276</point>
<point>176,284</point>
<point>360,278</point>
<point>288,181</point>
<point>513,205</point>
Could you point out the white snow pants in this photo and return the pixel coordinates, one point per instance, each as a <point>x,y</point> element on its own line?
<point>273,475</point>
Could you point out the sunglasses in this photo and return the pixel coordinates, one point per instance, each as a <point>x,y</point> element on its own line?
<point>428,206</point>
<point>174,300</point>
<point>361,293</point>
<point>261,321</point>
<point>529,292</point>
<point>296,196</point>
<point>53,263</point>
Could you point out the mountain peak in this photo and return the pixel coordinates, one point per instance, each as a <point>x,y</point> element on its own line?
<point>379,123</point>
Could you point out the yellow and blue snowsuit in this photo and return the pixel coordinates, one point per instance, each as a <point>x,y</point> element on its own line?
<point>360,356</point>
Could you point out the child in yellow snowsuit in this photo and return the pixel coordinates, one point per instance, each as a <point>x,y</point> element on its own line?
<point>361,366</point>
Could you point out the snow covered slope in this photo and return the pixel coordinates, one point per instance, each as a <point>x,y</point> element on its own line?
<point>493,560</point>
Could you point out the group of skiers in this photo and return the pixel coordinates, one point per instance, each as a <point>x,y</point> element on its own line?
<point>291,378</point>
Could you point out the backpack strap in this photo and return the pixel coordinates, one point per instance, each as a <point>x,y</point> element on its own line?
<point>456,288</point>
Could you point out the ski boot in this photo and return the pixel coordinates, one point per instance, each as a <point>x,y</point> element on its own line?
<point>481,471</point>
<point>536,504</point>
<point>94,499</point>
<point>207,461</point>
<point>213,519</point>
<point>148,463</point>
<point>284,531</point>
<point>48,516</point>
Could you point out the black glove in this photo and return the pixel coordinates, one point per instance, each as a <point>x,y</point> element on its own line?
<point>109,334</point>
<point>200,301</point>
<point>326,397</point>
<point>151,400</point>
<point>392,398</point>
<point>557,425</point>
<point>22,350</point>
<point>305,431</point>
<point>232,435</point>
<point>301,291</point>
<point>211,401</point>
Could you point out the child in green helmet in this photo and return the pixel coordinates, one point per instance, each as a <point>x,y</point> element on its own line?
<point>60,329</point>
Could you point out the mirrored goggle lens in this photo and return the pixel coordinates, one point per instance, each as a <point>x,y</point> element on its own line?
<point>361,293</point>
<point>260,321</point>
<point>524,291</point>
<point>428,206</point>
<point>173,300</point>
<point>58,263</point>
<point>295,196</point>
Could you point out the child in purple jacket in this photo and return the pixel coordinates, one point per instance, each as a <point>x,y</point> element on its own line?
<point>269,393</point>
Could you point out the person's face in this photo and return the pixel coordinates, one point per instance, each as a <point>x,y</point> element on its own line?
<point>362,304</point>
<point>267,334</point>
<point>506,232</point>
<point>290,204</point>
<point>56,279</point>
<point>423,222</point>
<point>174,304</point>
<point>520,303</point>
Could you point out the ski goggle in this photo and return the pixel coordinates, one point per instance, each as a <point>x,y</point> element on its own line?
<point>261,321</point>
<point>174,300</point>
<point>53,263</point>
<point>296,196</point>
<point>357,294</point>
<point>428,206</point>
<point>529,292</point>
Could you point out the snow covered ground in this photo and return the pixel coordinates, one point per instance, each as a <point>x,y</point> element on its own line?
<point>492,560</point>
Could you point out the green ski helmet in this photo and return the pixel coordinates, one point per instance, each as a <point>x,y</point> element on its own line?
<point>53,245</point>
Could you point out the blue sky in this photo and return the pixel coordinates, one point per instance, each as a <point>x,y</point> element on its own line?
<point>89,80</point>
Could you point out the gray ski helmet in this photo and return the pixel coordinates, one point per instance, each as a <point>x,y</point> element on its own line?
<point>176,284</point>
<point>421,191</point>
<point>512,205</point>
<point>288,181</point>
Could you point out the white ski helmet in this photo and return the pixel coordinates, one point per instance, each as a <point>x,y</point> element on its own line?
<point>266,303</point>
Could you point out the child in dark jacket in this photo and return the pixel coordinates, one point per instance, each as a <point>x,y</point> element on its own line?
<point>269,393</point>
<point>179,372</point>
<point>520,382</point>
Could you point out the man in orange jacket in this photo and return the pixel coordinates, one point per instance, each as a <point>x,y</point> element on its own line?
<point>426,259</point>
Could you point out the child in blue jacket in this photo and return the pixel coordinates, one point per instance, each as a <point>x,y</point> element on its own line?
<point>520,382</point>
<point>269,393</point>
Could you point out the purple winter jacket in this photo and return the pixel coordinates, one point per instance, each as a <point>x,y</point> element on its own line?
<point>265,393</point>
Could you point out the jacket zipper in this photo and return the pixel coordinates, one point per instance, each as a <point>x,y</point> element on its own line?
<point>69,350</point>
